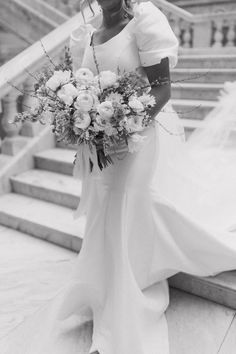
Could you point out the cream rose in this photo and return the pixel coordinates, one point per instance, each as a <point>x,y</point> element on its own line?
<point>107,79</point>
<point>59,78</point>
<point>84,75</point>
<point>82,120</point>
<point>135,104</point>
<point>105,110</point>
<point>67,94</point>
<point>136,142</point>
<point>85,101</point>
<point>110,130</point>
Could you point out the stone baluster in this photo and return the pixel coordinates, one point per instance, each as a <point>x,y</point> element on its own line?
<point>218,36</point>
<point>231,34</point>
<point>9,110</point>
<point>187,35</point>
<point>202,34</point>
<point>29,129</point>
<point>12,142</point>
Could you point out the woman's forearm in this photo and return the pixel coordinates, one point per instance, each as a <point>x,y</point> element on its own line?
<point>162,96</point>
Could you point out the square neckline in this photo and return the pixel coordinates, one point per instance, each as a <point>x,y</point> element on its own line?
<point>111,39</point>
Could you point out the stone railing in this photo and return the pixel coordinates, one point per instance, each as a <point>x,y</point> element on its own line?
<point>16,78</point>
<point>215,30</point>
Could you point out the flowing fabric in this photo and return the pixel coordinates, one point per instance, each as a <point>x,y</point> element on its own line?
<point>149,215</point>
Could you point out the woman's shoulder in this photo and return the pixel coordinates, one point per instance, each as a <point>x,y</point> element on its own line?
<point>147,11</point>
<point>154,36</point>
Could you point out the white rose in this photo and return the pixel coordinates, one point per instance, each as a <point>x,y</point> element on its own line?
<point>134,124</point>
<point>82,121</point>
<point>135,104</point>
<point>107,79</point>
<point>105,110</point>
<point>67,93</point>
<point>85,101</point>
<point>84,75</point>
<point>59,78</point>
<point>136,142</point>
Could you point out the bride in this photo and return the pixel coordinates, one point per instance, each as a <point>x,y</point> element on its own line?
<point>149,215</point>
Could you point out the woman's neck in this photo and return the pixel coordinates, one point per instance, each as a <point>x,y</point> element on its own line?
<point>112,17</point>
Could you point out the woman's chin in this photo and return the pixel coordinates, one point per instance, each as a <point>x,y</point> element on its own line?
<point>109,4</point>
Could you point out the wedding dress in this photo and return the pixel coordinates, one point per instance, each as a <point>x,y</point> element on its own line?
<point>150,215</point>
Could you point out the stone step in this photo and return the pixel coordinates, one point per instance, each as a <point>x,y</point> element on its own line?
<point>50,222</point>
<point>11,45</point>
<point>49,186</point>
<point>192,91</point>
<point>207,76</point>
<point>199,326</point>
<point>192,109</point>
<point>62,145</point>
<point>190,125</point>
<point>56,160</point>
<point>55,224</point>
<point>207,61</point>
<point>220,288</point>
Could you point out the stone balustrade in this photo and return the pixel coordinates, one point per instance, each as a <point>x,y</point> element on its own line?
<point>16,82</point>
<point>214,30</point>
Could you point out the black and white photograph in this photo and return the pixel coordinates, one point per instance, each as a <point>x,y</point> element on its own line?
<point>117,177</point>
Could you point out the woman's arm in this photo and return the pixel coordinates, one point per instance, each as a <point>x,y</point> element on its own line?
<point>161,92</point>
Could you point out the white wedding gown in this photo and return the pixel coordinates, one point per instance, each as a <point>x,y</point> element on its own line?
<point>149,215</point>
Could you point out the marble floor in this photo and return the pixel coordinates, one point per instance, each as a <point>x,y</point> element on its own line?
<point>31,272</point>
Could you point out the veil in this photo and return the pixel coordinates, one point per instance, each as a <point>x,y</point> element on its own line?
<point>198,176</point>
<point>220,124</point>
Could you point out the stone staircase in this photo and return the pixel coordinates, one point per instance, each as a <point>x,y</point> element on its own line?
<point>42,199</point>
<point>11,44</point>
<point>41,204</point>
<point>196,84</point>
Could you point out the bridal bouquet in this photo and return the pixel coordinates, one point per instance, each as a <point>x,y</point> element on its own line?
<point>100,111</point>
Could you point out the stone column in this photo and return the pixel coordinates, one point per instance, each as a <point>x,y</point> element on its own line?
<point>12,142</point>
<point>29,129</point>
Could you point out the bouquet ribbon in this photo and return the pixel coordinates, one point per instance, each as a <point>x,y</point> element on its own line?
<point>82,170</point>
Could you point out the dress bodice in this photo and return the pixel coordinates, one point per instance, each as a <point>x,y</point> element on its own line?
<point>144,41</point>
<point>120,52</point>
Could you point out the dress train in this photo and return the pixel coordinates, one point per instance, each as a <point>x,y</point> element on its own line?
<point>135,239</point>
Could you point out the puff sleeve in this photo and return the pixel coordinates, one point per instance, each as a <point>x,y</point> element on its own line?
<point>77,44</point>
<point>154,36</point>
